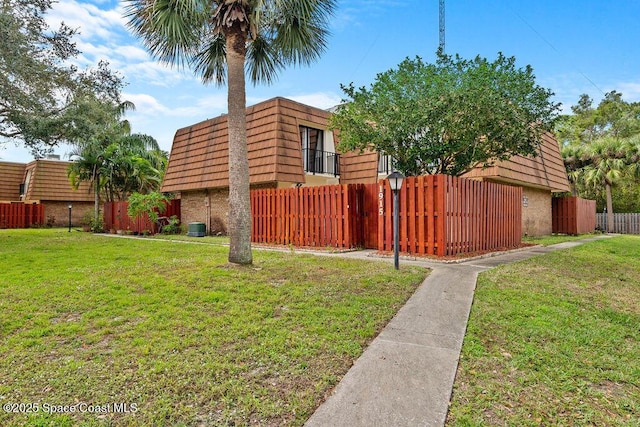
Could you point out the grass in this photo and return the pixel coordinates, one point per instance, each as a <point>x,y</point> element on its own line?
<point>555,340</point>
<point>210,240</point>
<point>554,239</point>
<point>176,331</point>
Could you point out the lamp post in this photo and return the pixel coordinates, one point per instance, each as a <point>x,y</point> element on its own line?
<point>395,182</point>
<point>69,217</point>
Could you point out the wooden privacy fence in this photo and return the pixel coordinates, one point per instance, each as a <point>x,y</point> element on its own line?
<point>439,215</point>
<point>573,215</point>
<point>623,223</point>
<point>115,217</point>
<point>309,216</point>
<point>446,216</point>
<point>21,215</point>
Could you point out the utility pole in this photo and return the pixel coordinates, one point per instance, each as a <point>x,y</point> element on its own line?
<point>441,26</point>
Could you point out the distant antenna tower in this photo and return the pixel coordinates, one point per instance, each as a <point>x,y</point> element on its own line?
<point>441,26</point>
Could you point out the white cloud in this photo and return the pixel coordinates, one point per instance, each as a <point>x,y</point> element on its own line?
<point>319,100</point>
<point>198,108</point>
<point>630,91</point>
<point>89,19</point>
<point>154,73</point>
<point>146,104</point>
<point>132,53</point>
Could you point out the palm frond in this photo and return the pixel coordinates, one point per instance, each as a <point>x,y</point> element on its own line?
<point>210,61</point>
<point>300,28</point>
<point>171,30</point>
<point>263,60</point>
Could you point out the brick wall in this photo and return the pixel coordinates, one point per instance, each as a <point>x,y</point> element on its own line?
<point>536,215</point>
<point>60,210</point>
<point>209,206</point>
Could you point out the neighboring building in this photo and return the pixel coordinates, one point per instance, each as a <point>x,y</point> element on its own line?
<point>289,144</point>
<point>11,179</point>
<point>539,177</point>
<point>46,182</point>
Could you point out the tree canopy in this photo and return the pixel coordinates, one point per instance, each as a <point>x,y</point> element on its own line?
<point>613,117</point>
<point>44,98</point>
<point>117,163</point>
<point>601,150</point>
<point>222,40</point>
<point>447,117</point>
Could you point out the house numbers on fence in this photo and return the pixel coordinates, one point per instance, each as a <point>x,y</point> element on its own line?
<point>381,201</point>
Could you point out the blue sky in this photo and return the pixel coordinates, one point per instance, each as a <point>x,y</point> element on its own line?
<point>573,46</point>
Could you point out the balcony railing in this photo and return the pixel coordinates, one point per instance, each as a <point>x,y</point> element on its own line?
<point>324,162</point>
<point>385,164</point>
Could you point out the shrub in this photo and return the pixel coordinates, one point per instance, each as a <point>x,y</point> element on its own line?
<point>97,226</point>
<point>173,227</point>
<point>150,204</point>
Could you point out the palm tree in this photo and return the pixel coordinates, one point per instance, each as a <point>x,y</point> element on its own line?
<point>574,162</point>
<point>117,163</point>
<point>218,39</point>
<point>130,163</point>
<point>86,165</point>
<point>88,156</point>
<point>608,159</point>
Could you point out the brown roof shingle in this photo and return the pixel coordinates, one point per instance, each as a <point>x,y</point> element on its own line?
<point>11,176</point>
<point>359,168</point>
<point>47,180</point>
<point>545,171</point>
<point>199,154</point>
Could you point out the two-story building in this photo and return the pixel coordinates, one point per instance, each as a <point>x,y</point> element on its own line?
<point>289,144</point>
<point>45,181</point>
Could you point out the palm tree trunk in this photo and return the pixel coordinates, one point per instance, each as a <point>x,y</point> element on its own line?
<point>96,198</point>
<point>239,198</point>
<point>610,216</point>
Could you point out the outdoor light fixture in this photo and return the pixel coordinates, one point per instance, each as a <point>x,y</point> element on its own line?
<point>395,182</point>
<point>69,217</point>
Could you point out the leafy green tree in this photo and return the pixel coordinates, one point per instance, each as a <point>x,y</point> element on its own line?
<point>150,204</point>
<point>600,150</point>
<point>132,163</point>
<point>116,163</point>
<point>221,40</point>
<point>43,99</point>
<point>447,117</point>
<point>613,117</point>
<point>603,165</point>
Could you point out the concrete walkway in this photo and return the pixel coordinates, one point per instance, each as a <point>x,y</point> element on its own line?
<point>405,377</point>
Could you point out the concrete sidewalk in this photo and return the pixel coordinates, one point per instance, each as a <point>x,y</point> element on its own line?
<point>405,377</point>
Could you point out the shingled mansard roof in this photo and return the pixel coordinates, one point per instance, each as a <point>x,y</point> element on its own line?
<point>11,176</point>
<point>199,154</point>
<point>545,171</point>
<point>45,180</point>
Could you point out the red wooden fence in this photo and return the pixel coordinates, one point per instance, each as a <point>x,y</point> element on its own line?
<point>445,216</point>
<point>439,215</point>
<point>115,217</point>
<point>310,216</point>
<point>573,215</point>
<point>21,215</point>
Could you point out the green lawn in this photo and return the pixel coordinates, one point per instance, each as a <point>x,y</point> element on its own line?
<point>210,240</point>
<point>174,330</point>
<point>554,239</point>
<point>555,340</point>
